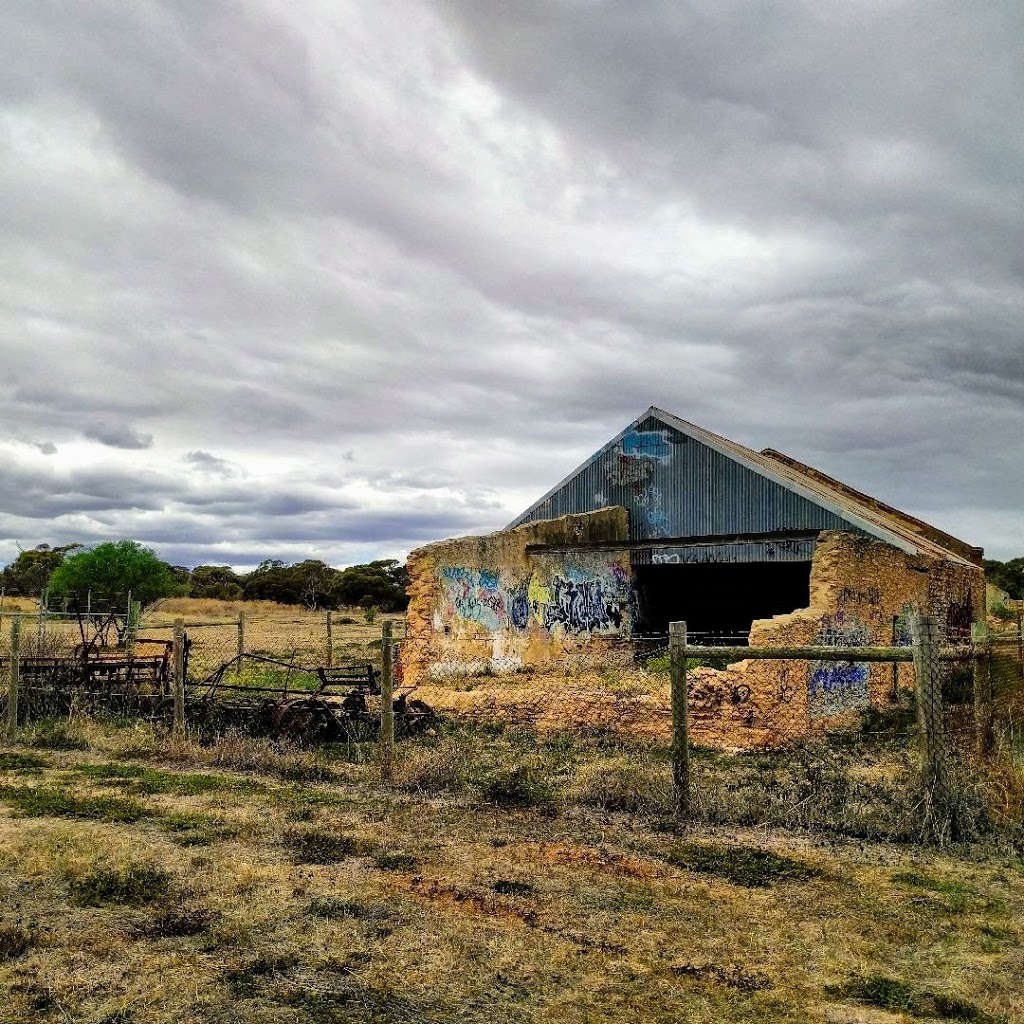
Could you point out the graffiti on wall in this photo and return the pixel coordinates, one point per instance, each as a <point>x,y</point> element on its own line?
<point>574,600</point>
<point>632,461</point>
<point>837,686</point>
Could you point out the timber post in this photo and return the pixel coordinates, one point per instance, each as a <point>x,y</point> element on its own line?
<point>178,660</point>
<point>387,706</point>
<point>14,679</point>
<point>680,721</point>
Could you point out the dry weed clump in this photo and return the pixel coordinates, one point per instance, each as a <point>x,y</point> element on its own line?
<point>624,782</point>
<point>445,767</point>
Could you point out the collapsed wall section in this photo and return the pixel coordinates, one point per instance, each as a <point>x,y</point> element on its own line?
<point>479,604</point>
<point>862,593</point>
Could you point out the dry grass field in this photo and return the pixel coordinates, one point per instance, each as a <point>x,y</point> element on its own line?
<point>501,878</point>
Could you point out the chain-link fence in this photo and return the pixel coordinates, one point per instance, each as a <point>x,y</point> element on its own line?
<point>793,736</point>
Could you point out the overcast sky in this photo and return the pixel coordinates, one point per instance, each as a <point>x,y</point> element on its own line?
<point>335,279</point>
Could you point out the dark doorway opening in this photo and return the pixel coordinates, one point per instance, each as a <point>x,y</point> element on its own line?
<point>719,600</point>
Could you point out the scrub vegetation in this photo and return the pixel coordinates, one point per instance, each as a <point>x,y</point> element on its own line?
<point>503,877</point>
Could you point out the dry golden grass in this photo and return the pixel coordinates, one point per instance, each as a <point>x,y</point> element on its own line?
<point>215,904</point>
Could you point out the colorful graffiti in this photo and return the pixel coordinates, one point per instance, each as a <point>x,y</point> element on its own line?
<point>837,686</point>
<point>631,462</point>
<point>581,607</point>
<point>572,599</point>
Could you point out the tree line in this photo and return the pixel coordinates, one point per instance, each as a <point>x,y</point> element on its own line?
<point>104,576</point>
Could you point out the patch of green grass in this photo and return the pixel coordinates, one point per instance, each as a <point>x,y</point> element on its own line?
<point>742,865</point>
<point>897,996</point>
<point>193,829</point>
<point>48,801</point>
<point>396,860</point>
<point>957,895</point>
<point>135,884</point>
<point>312,846</point>
<point>150,781</point>
<point>22,763</point>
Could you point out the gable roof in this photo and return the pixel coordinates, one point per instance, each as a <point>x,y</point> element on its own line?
<point>868,514</point>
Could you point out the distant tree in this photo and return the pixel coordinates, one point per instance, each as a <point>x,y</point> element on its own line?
<point>270,581</point>
<point>315,582</point>
<point>29,574</point>
<point>1008,576</point>
<point>219,582</point>
<point>111,572</point>
<point>382,583</point>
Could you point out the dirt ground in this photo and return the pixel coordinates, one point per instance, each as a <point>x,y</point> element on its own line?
<point>147,879</point>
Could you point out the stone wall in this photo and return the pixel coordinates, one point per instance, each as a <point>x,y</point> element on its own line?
<point>487,604</point>
<point>858,588</point>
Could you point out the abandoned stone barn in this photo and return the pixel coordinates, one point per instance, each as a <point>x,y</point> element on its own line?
<point>669,521</point>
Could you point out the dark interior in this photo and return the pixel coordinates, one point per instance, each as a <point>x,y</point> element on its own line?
<point>718,599</point>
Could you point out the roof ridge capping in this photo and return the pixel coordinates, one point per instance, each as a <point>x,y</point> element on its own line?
<point>959,547</point>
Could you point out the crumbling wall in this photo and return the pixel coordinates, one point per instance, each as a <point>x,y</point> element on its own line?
<point>862,593</point>
<point>486,603</point>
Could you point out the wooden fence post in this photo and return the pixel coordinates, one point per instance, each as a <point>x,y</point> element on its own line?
<point>680,720</point>
<point>178,658</point>
<point>982,672</point>
<point>241,642</point>
<point>41,622</point>
<point>330,642</point>
<point>387,707</point>
<point>14,679</point>
<point>931,735</point>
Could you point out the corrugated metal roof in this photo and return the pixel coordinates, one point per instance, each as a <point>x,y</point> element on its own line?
<point>680,479</point>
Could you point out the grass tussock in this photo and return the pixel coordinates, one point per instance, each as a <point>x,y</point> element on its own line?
<point>520,784</point>
<point>16,939</point>
<point>624,783</point>
<point>445,767</point>
<point>133,884</point>
<point>315,846</point>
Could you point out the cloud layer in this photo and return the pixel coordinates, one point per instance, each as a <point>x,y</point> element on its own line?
<point>335,279</point>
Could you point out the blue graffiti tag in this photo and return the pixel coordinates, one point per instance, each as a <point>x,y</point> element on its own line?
<point>646,444</point>
<point>519,609</point>
<point>837,686</point>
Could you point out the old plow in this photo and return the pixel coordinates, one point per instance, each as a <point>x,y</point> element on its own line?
<point>263,696</point>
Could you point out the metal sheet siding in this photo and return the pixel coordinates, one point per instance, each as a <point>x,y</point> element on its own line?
<point>675,486</point>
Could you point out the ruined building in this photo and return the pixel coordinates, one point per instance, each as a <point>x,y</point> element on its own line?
<point>671,522</point>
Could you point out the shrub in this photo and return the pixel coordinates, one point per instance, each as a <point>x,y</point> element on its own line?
<point>520,784</point>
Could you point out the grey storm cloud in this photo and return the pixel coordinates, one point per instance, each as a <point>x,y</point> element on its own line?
<point>310,279</point>
<point>118,435</point>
